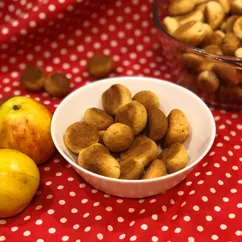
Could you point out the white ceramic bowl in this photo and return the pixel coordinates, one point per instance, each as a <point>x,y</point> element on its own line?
<point>202,131</point>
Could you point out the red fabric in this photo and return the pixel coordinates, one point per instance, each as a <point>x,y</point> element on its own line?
<point>61,35</point>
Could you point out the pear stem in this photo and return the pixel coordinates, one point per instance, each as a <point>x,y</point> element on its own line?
<point>16,107</point>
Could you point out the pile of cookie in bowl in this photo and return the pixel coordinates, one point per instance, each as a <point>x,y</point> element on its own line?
<point>123,140</point>
<point>210,50</point>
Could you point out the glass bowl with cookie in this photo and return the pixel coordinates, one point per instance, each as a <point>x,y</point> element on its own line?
<point>202,42</point>
<point>133,137</point>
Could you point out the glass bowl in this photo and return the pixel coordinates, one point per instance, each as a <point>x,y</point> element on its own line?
<point>228,94</point>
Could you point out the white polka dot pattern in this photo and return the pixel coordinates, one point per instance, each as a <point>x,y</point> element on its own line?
<point>62,35</point>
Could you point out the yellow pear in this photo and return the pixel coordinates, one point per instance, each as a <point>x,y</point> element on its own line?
<point>19,181</point>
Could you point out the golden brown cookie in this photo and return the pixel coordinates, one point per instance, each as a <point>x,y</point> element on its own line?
<point>208,35</point>
<point>89,152</point>
<point>225,4</point>
<point>236,7</point>
<point>227,74</point>
<point>192,33</point>
<point>208,82</point>
<point>177,131</point>
<point>229,23</point>
<point>217,38</point>
<point>79,136</point>
<point>57,85</point>
<point>205,66</point>
<point>237,28</point>
<point>192,61</point>
<point>175,157</point>
<point>134,115</point>
<point>157,124</point>
<point>33,79</point>
<point>98,118</point>
<point>115,97</point>
<point>131,169</point>
<point>157,168</point>
<point>100,66</point>
<point>181,7</point>
<point>118,137</point>
<point>238,52</point>
<point>171,24</point>
<point>148,99</point>
<point>214,14</point>
<point>142,149</point>
<point>101,163</point>
<point>230,44</point>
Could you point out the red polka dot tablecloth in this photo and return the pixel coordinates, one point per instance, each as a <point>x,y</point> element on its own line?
<point>62,35</point>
